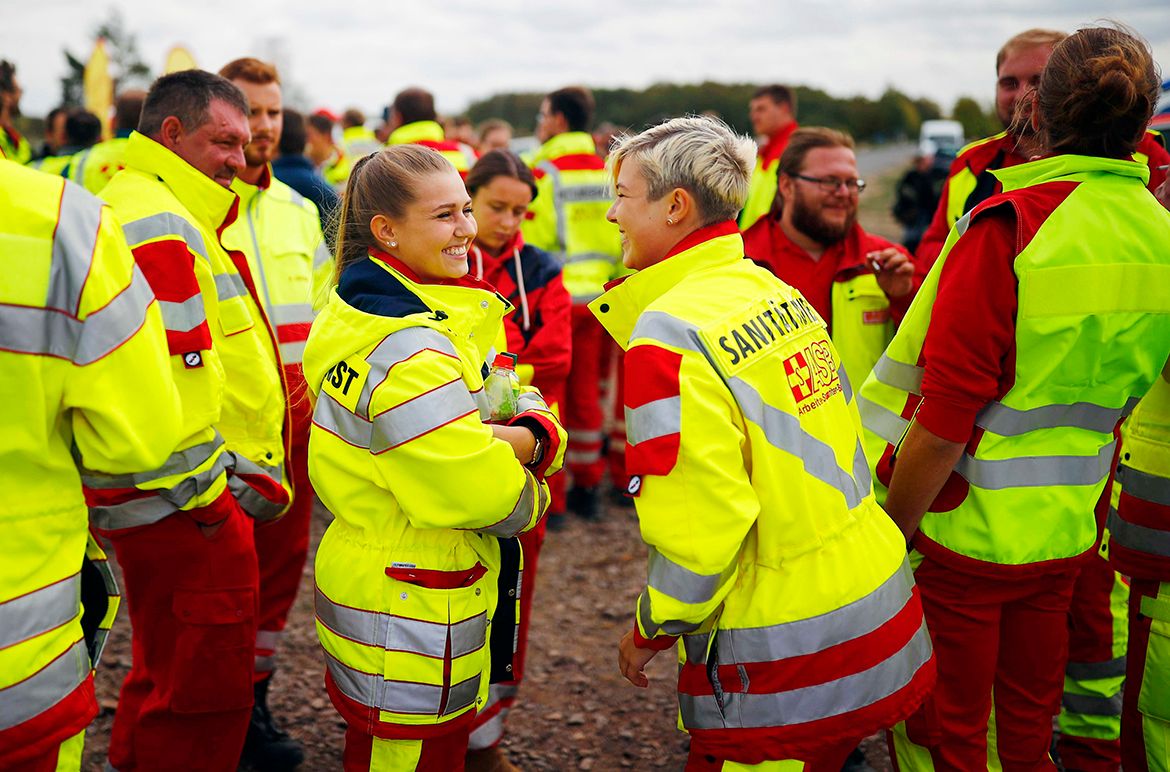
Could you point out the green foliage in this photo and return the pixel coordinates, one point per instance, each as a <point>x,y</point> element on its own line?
<point>976,122</point>
<point>126,65</point>
<point>892,116</point>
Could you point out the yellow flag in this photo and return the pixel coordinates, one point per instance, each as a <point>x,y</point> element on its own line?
<point>99,86</point>
<point>179,59</point>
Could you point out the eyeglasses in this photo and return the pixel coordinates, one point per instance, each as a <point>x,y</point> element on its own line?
<point>831,184</point>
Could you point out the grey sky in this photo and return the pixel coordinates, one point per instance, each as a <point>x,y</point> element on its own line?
<point>360,52</point>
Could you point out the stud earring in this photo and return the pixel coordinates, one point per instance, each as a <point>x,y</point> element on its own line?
<point>669,221</point>
<point>391,244</point>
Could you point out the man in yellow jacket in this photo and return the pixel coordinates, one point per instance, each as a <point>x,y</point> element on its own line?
<point>183,534</point>
<point>84,379</point>
<point>280,233</point>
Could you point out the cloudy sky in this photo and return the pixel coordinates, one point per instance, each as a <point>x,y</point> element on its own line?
<point>361,52</point>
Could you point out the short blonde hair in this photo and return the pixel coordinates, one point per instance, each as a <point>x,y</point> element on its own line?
<point>1030,38</point>
<point>699,154</point>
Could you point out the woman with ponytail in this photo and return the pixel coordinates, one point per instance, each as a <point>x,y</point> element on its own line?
<point>991,416</point>
<point>422,489</point>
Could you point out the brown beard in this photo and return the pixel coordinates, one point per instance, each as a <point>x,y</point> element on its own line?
<point>808,221</point>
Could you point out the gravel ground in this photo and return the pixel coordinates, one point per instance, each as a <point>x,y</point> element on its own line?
<point>575,711</point>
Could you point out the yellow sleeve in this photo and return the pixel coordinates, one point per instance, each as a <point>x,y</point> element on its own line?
<point>541,229</point>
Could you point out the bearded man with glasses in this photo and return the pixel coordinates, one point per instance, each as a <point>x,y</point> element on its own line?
<point>859,283</point>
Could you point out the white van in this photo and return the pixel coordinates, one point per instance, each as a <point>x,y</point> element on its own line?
<point>940,137</point>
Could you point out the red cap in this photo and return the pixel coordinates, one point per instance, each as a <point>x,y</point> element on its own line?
<point>506,359</point>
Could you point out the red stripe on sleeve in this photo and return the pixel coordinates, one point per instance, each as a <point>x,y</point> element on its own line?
<point>651,374</point>
<point>169,268</point>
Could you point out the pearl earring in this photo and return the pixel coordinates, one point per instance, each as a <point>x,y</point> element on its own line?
<point>392,244</point>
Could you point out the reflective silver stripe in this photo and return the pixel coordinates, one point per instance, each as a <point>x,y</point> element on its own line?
<point>292,353</point>
<point>1036,471</point>
<point>1142,485</point>
<point>664,328</point>
<point>395,633</point>
<point>321,255</point>
<point>47,332</point>
<point>395,348</point>
<point>811,703</point>
<point>74,241</point>
<point>1138,538</point>
<point>809,636</point>
<point>165,502</point>
<point>530,400</point>
<point>898,374</point>
<point>659,418</point>
<point>264,664</point>
<point>179,462</point>
<point>400,696</point>
<point>292,313</point>
<point>230,285</point>
<point>591,193</point>
<point>1091,671</point>
<point>667,627</point>
<point>783,431</point>
<point>491,731</point>
<point>558,208</point>
<point>1012,422</point>
<point>268,639</point>
<point>846,385</point>
<point>1088,705</point>
<point>331,416</point>
<point>421,415</point>
<point>164,225</point>
<point>882,421</point>
<point>250,499</point>
<point>42,690</point>
<point>39,611</point>
<point>185,316</point>
<point>586,257</point>
<point>585,435</point>
<point>679,582</point>
<point>521,514</point>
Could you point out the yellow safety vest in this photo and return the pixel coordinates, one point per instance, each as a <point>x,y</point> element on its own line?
<point>280,232</point>
<point>761,192</point>
<point>862,325</point>
<point>752,491</point>
<point>83,380</point>
<point>406,573</point>
<point>96,166</point>
<point>224,354</point>
<point>53,164</point>
<point>358,142</point>
<point>14,149</point>
<point>568,214</point>
<point>1092,333</point>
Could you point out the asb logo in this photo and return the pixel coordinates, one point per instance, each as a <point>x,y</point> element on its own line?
<point>811,371</point>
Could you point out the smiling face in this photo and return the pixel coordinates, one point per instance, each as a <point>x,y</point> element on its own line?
<point>265,121</point>
<point>646,237</point>
<point>500,207</point>
<point>433,234</point>
<point>823,216</point>
<point>217,147</point>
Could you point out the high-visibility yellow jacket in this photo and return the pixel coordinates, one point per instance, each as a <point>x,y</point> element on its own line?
<point>52,164</point>
<point>223,352</point>
<point>94,167</point>
<point>358,141</point>
<point>765,178</point>
<point>768,552</point>
<point>83,380</point>
<point>1092,333</point>
<point>14,147</point>
<point>567,217</point>
<point>430,134</point>
<point>398,452</point>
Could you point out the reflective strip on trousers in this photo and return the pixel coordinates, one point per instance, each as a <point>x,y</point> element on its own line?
<point>521,514</point>
<point>40,611</point>
<point>185,316</point>
<point>396,633</point>
<point>163,503</point>
<point>809,636</point>
<point>491,731</point>
<point>1088,705</point>
<point>678,582</point>
<point>659,418</point>
<point>810,703</point>
<point>250,499</point>
<point>268,639</point>
<point>1091,671</point>
<point>230,285</point>
<point>165,225</point>
<point>406,697</point>
<point>74,242</point>
<point>34,695</point>
<point>1138,538</point>
<point>1142,485</point>
<point>395,348</point>
<point>48,332</point>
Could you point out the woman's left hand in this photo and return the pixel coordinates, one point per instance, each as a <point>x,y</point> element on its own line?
<point>632,661</point>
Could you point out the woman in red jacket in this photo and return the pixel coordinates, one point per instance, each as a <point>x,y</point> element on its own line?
<point>538,331</point>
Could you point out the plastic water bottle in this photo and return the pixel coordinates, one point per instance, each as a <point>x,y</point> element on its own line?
<point>502,387</point>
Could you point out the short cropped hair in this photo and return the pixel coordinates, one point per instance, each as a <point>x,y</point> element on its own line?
<point>415,104</point>
<point>322,123</point>
<point>128,109</point>
<point>697,153</point>
<point>352,117</point>
<point>82,128</point>
<point>1029,38</point>
<point>780,94</point>
<point>292,133</point>
<point>575,103</point>
<point>251,70</point>
<point>187,95</point>
<point>805,140</point>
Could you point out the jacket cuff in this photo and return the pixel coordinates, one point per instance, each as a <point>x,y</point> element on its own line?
<point>657,643</point>
<point>546,431</point>
<point>215,512</point>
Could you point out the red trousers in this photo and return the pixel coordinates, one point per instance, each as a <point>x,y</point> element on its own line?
<point>366,753</point>
<point>1007,634</point>
<point>192,599</point>
<point>582,408</point>
<point>1145,733</point>
<point>488,727</point>
<point>830,760</point>
<point>282,546</point>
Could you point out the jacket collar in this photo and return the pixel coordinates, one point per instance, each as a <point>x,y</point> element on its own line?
<point>777,142</point>
<point>247,191</point>
<point>624,300</point>
<point>1056,166</point>
<point>568,143</point>
<point>419,131</point>
<point>209,202</point>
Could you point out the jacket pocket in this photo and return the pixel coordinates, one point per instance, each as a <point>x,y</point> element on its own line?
<point>214,650</point>
<point>234,316</point>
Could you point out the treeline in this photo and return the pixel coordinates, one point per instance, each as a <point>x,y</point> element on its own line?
<point>892,116</point>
